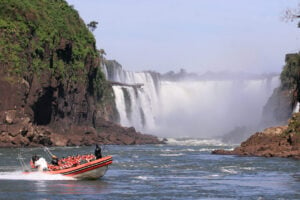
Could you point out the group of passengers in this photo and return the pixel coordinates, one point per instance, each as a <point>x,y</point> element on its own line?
<point>64,163</point>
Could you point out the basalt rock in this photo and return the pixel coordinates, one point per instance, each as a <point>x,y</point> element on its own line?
<point>272,142</point>
<point>25,134</point>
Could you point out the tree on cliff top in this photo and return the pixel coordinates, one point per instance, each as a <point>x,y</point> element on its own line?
<point>292,14</point>
<point>290,75</point>
<point>92,25</point>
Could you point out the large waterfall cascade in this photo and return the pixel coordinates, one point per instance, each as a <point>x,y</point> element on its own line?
<point>195,108</point>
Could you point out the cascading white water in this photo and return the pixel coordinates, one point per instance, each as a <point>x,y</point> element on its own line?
<point>297,108</point>
<point>136,106</point>
<point>188,108</point>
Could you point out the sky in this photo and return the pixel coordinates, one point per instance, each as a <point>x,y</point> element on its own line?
<point>197,35</point>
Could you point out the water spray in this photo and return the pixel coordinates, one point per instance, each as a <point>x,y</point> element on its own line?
<point>46,149</point>
<point>22,163</point>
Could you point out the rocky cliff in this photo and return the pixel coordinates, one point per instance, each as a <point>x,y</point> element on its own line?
<point>281,141</point>
<point>52,89</point>
<point>280,105</point>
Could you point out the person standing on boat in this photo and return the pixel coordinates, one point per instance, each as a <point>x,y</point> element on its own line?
<point>98,152</point>
<point>54,160</point>
<point>41,164</point>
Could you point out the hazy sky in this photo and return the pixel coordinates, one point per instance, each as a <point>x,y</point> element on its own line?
<point>198,35</point>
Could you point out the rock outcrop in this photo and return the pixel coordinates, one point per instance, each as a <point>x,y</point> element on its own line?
<point>17,130</point>
<point>281,141</point>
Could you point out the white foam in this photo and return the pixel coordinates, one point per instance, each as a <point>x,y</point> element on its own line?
<point>194,142</point>
<point>142,178</point>
<point>248,168</point>
<point>212,149</point>
<point>171,154</point>
<point>229,171</point>
<point>19,175</point>
<point>167,150</point>
<point>206,149</point>
<point>190,150</point>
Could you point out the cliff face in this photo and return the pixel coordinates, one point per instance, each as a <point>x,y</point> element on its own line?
<point>278,109</point>
<point>53,91</point>
<point>280,106</point>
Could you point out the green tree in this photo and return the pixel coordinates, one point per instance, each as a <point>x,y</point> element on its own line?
<point>92,25</point>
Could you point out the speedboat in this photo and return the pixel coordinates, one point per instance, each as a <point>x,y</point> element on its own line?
<point>79,167</point>
<point>90,170</point>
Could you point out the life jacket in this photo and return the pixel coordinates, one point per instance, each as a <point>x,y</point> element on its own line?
<point>32,165</point>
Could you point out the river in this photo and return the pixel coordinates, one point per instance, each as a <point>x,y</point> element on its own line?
<point>181,169</point>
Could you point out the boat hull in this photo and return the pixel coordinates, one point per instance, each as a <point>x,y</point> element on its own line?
<point>92,174</point>
<point>91,170</point>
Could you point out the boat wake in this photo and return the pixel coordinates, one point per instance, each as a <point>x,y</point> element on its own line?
<point>19,175</point>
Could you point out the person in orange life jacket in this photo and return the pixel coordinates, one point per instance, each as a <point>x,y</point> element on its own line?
<point>98,153</point>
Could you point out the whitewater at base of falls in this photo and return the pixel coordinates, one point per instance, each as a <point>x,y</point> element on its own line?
<point>195,142</point>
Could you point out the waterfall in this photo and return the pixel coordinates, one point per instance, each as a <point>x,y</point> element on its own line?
<point>296,109</point>
<point>136,106</point>
<point>211,108</point>
<point>196,108</point>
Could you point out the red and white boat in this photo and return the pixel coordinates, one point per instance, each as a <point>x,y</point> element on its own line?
<point>92,169</point>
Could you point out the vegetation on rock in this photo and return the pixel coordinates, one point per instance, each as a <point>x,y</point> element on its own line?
<point>53,38</point>
<point>47,38</point>
<point>294,124</point>
<point>290,73</point>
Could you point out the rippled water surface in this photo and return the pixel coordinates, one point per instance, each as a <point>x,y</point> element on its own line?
<point>179,170</point>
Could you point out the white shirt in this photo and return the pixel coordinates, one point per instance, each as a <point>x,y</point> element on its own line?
<point>41,164</point>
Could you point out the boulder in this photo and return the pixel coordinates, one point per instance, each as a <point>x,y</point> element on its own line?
<point>10,116</point>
